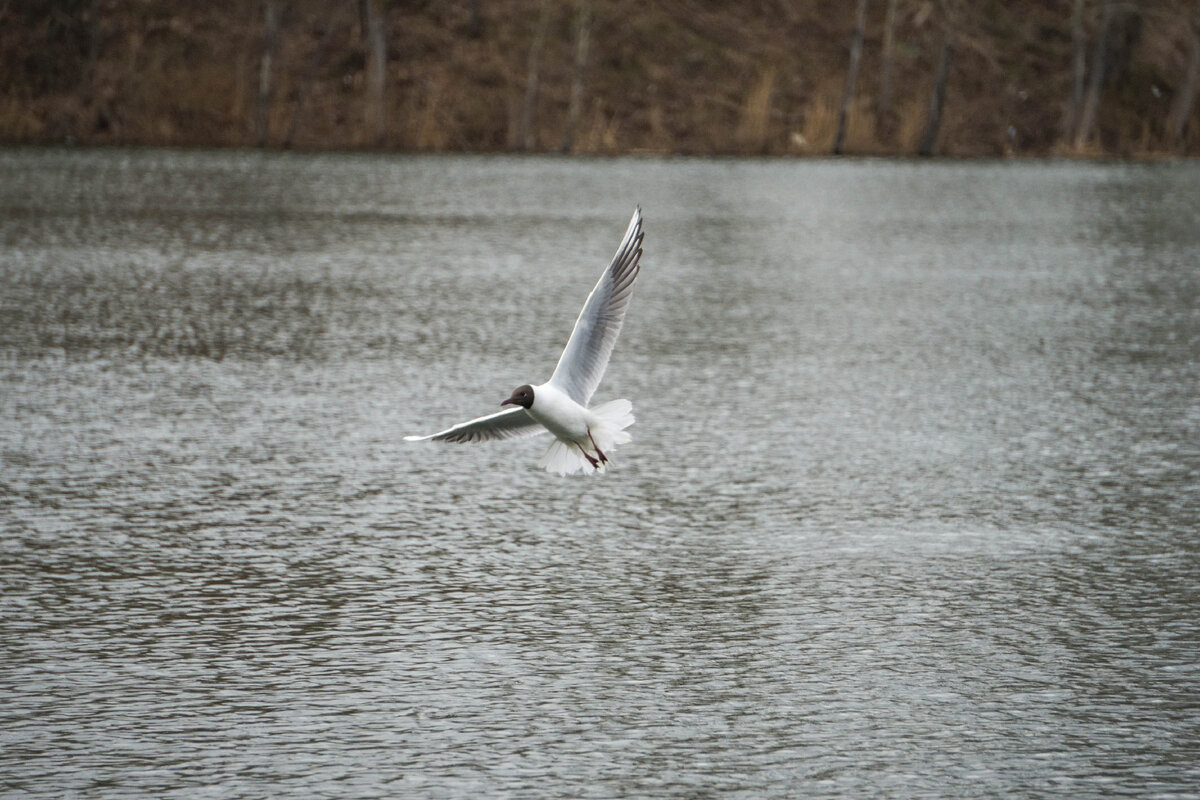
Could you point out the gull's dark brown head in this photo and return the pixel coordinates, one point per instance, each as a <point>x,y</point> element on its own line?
<point>521,396</point>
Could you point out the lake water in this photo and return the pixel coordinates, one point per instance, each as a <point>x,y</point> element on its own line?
<point>912,507</point>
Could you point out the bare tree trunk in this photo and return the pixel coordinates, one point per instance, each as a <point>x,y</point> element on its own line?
<point>883,103</point>
<point>475,21</point>
<point>1078,71</point>
<point>1185,97</point>
<point>525,134</point>
<point>89,68</point>
<point>262,116</point>
<point>376,41</point>
<point>582,37</point>
<point>856,43</point>
<point>1091,101</point>
<point>937,100</point>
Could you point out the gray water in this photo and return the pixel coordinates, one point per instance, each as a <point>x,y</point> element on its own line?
<point>911,508</point>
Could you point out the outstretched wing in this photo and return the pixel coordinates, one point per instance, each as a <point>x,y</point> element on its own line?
<point>582,363</point>
<point>511,423</point>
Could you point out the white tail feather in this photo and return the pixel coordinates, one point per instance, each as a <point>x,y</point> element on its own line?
<point>612,418</point>
<point>564,458</point>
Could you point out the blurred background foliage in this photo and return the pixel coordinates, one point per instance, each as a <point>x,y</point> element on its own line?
<point>949,77</point>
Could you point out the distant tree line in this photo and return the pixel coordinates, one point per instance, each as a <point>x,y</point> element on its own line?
<point>1104,35</point>
<point>924,77</point>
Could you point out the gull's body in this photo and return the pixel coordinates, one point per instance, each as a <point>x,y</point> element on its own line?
<point>560,405</point>
<point>559,414</point>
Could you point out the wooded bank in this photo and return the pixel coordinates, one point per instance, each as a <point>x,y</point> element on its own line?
<point>948,77</point>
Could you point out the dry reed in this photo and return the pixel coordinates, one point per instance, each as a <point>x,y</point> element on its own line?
<point>756,113</point>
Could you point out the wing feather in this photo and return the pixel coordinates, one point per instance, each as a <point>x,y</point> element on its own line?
<point>586,355</point>
<point>511,423</point>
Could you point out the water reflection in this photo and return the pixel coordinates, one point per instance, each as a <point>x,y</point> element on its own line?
<point>910,508</point>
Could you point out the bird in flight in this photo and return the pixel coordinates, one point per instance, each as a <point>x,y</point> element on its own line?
<point>583,436</point>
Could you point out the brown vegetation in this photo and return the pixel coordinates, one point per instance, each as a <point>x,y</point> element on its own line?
<point>1097,77</point>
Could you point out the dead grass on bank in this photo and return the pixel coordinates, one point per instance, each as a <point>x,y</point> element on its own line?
<point>677,78</point>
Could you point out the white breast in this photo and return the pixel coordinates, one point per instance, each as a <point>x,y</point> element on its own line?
<point>561,415</point>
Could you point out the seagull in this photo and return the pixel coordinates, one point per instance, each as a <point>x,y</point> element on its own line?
<point>583,436</point>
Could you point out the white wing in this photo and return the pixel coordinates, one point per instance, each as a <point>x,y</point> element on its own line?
<point>511,423</point>
<point>582,363</point>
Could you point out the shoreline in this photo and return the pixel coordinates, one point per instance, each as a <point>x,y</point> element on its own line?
<point>608,77</point>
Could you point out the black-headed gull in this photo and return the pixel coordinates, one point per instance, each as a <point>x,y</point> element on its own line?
<point>582,436</point>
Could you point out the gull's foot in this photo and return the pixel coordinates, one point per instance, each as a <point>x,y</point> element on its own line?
<point>599,452</point>
<point>595,464</point>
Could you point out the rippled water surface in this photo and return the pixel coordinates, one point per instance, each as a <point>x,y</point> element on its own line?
<point>911,509</point>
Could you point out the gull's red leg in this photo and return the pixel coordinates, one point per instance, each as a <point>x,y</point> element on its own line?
<point>599,452</point>
<point>595,464</point>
